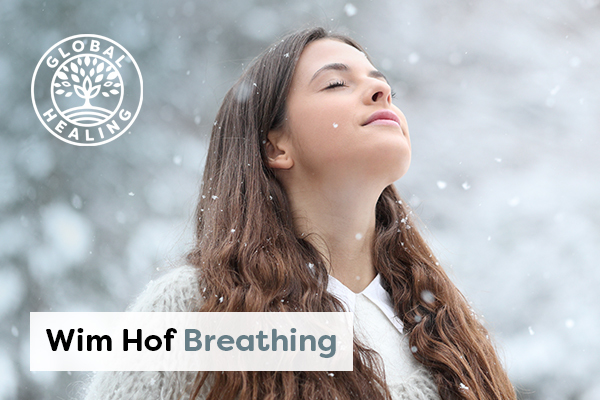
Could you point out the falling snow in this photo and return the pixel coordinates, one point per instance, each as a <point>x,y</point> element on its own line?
<point>427,296</point>
<point>350,9</point>
<point>569,323</point>
<point>413,58</point>
<point>523,244</point>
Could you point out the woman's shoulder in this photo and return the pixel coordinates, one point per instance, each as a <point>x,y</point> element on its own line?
<point>176,290</point>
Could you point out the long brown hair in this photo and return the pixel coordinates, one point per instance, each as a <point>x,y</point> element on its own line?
<point>251,260</point>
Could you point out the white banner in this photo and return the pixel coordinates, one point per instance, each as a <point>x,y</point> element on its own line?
<point>152,341</point>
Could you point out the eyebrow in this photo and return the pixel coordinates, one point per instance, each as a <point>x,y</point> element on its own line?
<point>343,67</point>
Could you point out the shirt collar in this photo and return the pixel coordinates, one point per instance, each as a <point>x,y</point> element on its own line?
<point>374,292</point>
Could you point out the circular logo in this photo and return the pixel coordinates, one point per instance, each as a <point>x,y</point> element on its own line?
<point>87,90</point>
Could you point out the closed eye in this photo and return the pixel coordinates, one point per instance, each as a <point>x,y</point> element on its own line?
<point>335,84</point>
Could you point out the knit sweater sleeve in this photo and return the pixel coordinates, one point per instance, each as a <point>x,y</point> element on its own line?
<point>176,291</point>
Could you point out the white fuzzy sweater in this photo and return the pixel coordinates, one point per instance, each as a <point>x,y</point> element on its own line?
<point>178,291</point>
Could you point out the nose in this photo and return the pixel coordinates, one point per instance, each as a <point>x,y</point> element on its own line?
<point>378,91</point>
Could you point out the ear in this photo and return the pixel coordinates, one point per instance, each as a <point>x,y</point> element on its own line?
<point>278,150</point>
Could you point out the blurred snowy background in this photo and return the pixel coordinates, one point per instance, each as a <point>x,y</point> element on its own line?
<point>502,100</point>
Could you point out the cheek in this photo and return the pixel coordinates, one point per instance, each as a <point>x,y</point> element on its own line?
<point>319,131</point>
<point>321,117</point>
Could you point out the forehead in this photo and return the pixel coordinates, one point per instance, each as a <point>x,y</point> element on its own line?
<point>326,51</point>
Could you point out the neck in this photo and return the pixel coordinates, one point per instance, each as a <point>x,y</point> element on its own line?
<point>341,225</point>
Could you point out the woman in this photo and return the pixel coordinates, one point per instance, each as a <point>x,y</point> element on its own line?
<point>298,212</point>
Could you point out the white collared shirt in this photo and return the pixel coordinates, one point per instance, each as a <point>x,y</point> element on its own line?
<point>374,292</point>
<point>377,326</point>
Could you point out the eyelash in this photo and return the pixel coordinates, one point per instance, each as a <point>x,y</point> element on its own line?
<point>343,83</point>
<point>336,84</point>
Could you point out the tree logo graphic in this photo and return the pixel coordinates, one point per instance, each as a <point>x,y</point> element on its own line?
<point>87,77</point>
<point>87,90</point>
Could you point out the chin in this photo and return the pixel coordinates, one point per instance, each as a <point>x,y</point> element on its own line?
<point>397,164</point>
<point>398,173</point>
<point>385,163</point>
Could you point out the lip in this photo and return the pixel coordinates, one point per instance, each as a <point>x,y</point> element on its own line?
<point>383,117</point>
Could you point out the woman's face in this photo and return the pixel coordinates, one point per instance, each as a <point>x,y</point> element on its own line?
<point>335,93</point>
